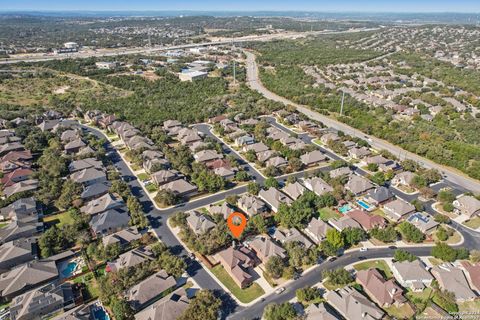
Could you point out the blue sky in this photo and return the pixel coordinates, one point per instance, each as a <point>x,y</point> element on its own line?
<point>468,6</point>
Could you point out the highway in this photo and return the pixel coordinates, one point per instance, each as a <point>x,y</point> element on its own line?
<point>149,50</point>
<point>451,174</point>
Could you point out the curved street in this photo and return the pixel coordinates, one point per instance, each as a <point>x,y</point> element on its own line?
<point>451,174</point>
<point>158,220</point>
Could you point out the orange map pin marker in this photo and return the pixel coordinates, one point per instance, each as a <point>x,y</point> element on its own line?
<point>236,223</point>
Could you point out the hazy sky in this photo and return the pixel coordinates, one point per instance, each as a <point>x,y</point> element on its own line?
<point>468,6</point>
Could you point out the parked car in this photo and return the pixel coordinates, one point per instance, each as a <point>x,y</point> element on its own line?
<point>363,249</point>
<point>279,290</point>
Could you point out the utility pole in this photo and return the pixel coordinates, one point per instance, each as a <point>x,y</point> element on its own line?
<point>341,106</point>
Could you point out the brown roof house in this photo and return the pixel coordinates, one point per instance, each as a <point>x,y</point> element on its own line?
<point>398,209</point>
<point>472,271</point>
<point>384,292</point>
<point>317,230</point>
<point>358,184</point>
<point>467,205</point>
<point>294,190</point>
<point>404,178</point>
<point>207,155</point>
<point>130,259</point>
<point>367,221</point>
<point>453,279</point>
<point>239,263</point>
<point>353,305</point>
<point>22,186</point>
<point>274,198</point>
<point>290,235</point>
<point>147,290</point>
<point>265,248</point>
<point>318,312</point>
<point>199,223</point>
<point>223,209</point>
<point>343,223</point>
<point>180,187</point>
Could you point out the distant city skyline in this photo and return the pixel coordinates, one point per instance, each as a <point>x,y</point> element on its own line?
<point>465,6</point>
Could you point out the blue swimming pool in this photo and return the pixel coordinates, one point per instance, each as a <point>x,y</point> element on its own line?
<point>345,208</point>
<point>100,314</point>
<point>69,269</point>
<point>363,204</point>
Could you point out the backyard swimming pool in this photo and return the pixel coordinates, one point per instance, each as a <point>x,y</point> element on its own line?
<point>69,269</point>
<point>345,208</point>
<point>364,205</point>
<point>100,314</point>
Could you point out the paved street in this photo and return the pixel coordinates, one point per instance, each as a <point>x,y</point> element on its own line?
<point>451,174</point>
<point>159,219</point>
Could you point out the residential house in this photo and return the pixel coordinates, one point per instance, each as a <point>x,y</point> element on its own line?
<point>358,185</point>
<point>472,272</point>
<point>41,302</point>
<point>317,185</point>
<point>251,205</point>
<point>94,191</point>
<point>70,135</point>
<point>339,172</point>
<point>22,186</point>
<point>379,196</point>
<point>367,221</point>
<point>277,162</point>
<point>130,259</point>
<point>404,178</point>
<point>343,223</point>
<point>155,164</point>
<point>17,252</point>
<point>398,209</point>
<point>104,203</point>
<point>27,276</point>
<point>352,305</point>
<point>9,147</point>
<point>25,209</point>
<point>294,190</point>
<point>207,155</point>
<point>265,155</point>
<point>223,209</point>
<point>82,164</point>
<point>265,248</point>
<point>423,221</point>
<point>199,223</point>
<point>109,221</point>
<point>256,147</point>
<point>453,279</point>
<point>15,176</point>
<point>383,292</point>
<point>143,293</point>
<point>358,153</point>
<point>122,237</point>
<point>244,140</point>
<point>290,235</point>
<point>164,176</point>
<point>89,176</point>
<point>169,124</point>
<point>170,307</point>
<point>317,230</point>
<point>327,137</point>
<point>313,158</point>
<point>239,263</point>
<point>274,198</point>
<point>319,312</point>
<point>20,229</point>
<point>225,173</point>
<point>413,275</point>
<point>48,125</point>
<point>180,188</point>
<point>74,146</point>
<point>467,205</point>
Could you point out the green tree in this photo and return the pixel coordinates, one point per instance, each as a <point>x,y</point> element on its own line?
<point>410,233</point>
<point>335,238</point>
<point>271,183</point>
<point>275,266</point>
<point>165,198</point>
<point>121,309</point>
<point>308,294</point>
<point>205,306</point>
<point>353,236</point>
<point>337,277</point>
<point>444,252</point>
<point>283,311</point>
<point>258,223</point>
<point>70,192</point>
<point>253,188</point>
<point>387,234</point>
<point>402,255</point>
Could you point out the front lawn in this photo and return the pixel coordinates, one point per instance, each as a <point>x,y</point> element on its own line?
<point>143,176</point>
<point>3,224</point>
<point>473,223</point>
<point>379,264</point>
<point>59,219</point>
<point>152,187</point>
<point>469,306</point>
<point>244,295</point>
<point>328,213</point>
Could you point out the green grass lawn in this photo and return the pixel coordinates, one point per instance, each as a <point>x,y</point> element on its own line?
<point>473,223</point>
<point>435,261</point>
<point>90,285</point>
<point>59,219</point>
<point>328,213</point>
<point>379,264</point>
<point>469,306</point>
<point>3,224</point>
<point>143,176</point>
<point>244,295</point>
<point>151,187</point>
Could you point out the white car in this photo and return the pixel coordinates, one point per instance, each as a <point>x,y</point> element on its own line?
<point>363,249</point>
<point>279,290</point>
